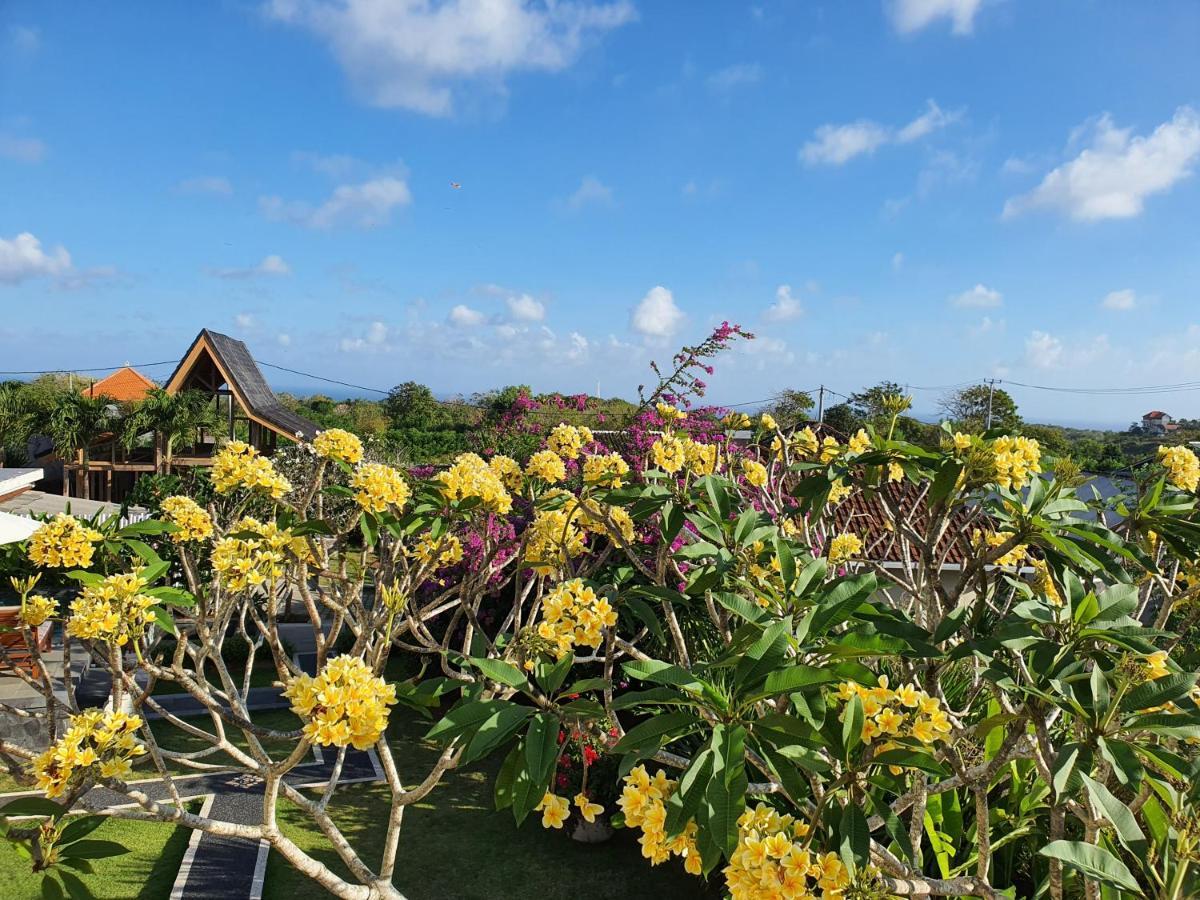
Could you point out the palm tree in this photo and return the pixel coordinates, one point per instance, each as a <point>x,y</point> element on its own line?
<point>16,419</point>
<point>76,422</point>
<point>175,419</point>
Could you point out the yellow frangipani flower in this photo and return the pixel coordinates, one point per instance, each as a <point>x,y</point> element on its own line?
<point>339,444</point>
<point>754,472</point>
<point>344,704</point>
<point>1017,460</point>
<point>37,609</point>
<point>574,616</point>
<point>768,423</point>
<point>508,470</point>
<point>377,487</point>
<point>63,543</point>
<point>554,810</point>
<point>192,520</point>
<point>607,471</point>
<point>546,465</point>
<point>567,440</point>
<point>238,465</point>
<point>470,476</point>
<point>587,808</point>
<point>114,610</point>
<point>860,442</point>
<point>92,737</point>
<point>1183,468</point>
<point>669,453</point>
<point>844,547</point>
<point>669,413</point>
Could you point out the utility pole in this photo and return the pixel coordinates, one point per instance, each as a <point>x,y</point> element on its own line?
<point>821,404</point>
<point>991,393</point>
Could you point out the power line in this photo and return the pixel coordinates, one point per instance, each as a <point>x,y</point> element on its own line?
<point>357,387</point>
<point>165,362</point>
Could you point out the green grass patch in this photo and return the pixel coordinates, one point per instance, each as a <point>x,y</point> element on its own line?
<point>149,869</point>
<point>455,846</point>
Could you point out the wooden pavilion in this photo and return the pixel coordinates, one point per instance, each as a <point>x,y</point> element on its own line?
<point>222,368</point>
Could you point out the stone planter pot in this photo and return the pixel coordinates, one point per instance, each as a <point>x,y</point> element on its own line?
<point>591,832</point>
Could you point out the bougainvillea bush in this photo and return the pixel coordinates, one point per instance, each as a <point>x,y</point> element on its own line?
<point>799,666</point>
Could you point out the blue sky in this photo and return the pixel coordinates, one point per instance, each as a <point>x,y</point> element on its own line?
<point>929,191</point>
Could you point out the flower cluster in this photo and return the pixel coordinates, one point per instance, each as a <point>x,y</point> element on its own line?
<point>238,465</point>
<point>345,704</point>
<point>669,453</point>
<point>470,476</point>
<point>554,810</point>
<point>735,421</point>
<point>376,487</point>
<point>669,413</point>
<point>444,551</point>
<point>567,440</point>
<point>64,543</point>
<point>768,423</point>
<point>189,517</point>
<point>339,444</point>
<point>256,554</point>
<point>844,547</point>
<point>754,472</point>
<point>36,609</point>
<point>114,609</point>
<point>1017,459</point>
<point>1183,468</point>
<point>702,459</point>
<point>772,860</point>
<point>991,539</point>
<point>573,616</point>
<point>546,465</point>
<point>643,801</point>
<point>508,470</point>
<point>903,712</point>
<point>1042,583</point>
<point>554,538</point>
<point>608,470</point>
<point>858,443</point>
<point>95,741</point>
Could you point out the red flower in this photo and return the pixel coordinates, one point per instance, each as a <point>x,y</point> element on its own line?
<point>590,755</point>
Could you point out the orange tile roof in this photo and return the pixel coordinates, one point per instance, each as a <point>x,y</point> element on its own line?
<point>123,385</point>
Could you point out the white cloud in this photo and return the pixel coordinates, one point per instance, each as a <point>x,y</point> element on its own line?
<point>909,16</point>
<point>525,308</point>
<point>1043,350</point>
<point>838,144</point>
<point>244,321</point>
<point>933,119</point>
<point>1121,300</point>
<point>375,339</point>
<point>414,54</point>
<point>735,76</point>
<point>465,317</point>
<point>1112,178</point>
<point>987,325</point>
<point>785,307</point>
<point>22,258</point>
<point>656,315</point>
<point>591,192</point>
<point>897,260</point>
<point>25,39</point>
<point>270,265</point>
<point>217,185</point>
<point>22,149</point>
<point>978,297</point>
<point>283,339</point>
<point>365,205</point>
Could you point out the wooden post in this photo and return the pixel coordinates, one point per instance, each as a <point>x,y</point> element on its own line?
<point>108,475</point>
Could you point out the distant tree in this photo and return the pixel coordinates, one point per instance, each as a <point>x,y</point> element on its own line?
<point>790,407</point>
<point>411,405</point>
<point>16,419</point>
<point>842,417</point>
<point>1053,440</point>
<point>175,419</point>
<point>367,418</point>
<point>76,422</point>
<point>967,408</point>
<point>874,405</point>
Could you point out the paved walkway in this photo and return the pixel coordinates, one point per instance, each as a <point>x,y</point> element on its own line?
<point>223,868</point>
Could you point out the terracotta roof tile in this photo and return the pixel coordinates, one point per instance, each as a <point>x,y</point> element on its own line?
<point>124,385</point>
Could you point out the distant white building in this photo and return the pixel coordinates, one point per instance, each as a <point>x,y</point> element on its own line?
<point>1157,422</point>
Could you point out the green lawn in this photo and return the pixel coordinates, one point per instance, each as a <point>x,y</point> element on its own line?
<point>147,871</point>
<point>456,846</point>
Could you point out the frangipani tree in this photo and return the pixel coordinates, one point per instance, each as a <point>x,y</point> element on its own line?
<point>801,706</point>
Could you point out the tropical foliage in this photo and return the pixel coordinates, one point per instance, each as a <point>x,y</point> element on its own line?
<point>814,666</point>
